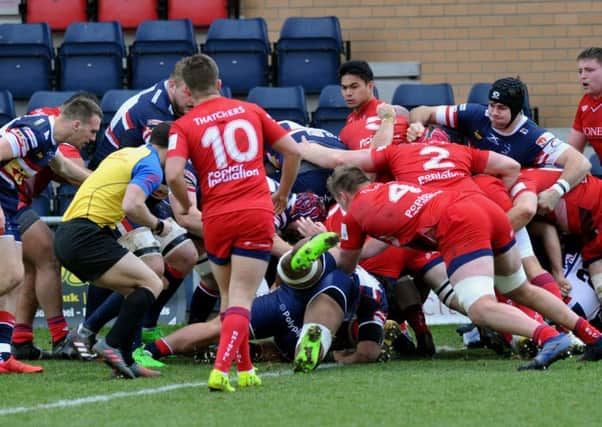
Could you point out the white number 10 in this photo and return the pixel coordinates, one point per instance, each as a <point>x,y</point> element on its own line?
<point>225,143</point>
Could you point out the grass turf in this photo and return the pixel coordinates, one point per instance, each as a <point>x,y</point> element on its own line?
<point>456,388</point>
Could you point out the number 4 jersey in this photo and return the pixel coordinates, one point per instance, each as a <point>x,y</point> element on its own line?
<point>224,140</point>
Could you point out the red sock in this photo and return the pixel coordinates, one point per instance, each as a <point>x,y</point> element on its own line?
<point>164,349</point>
<point>235,332</point>
<point>415,317</point>
<point>586,332</point>
<point>58,327</point>
<point>23,332</point>
<point>543,333</point>
<point>243,357</point>
<point>547,281</point>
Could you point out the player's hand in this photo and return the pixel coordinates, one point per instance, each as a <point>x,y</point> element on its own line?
<point>415,131</point>
<point>167,227</point>
<point>307,227</point>
<point>564,285</point>
<point>385,111</point>
<point>547,201</point>
<point>280,201</point>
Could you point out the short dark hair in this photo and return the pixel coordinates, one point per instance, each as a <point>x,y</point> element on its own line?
<point>346,179</point>
<point>357,68</point>
<point>199,72</point>
<point>160,134</point>
<point>81,108</point>
<point>83,94</point>
<point>591,53</point>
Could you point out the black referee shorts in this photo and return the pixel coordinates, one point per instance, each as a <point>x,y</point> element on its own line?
<point>85,249</point>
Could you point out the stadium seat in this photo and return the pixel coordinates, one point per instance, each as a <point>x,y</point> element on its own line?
<point>412,95</point>
<point>26,57</point>
<point>91,57</point>
<point>111,101</point>
<point>201,13</point>
<point>241,49</point>
<point>130,13</point>
<point>157,46</point>
<point>282,103</point>
<point>308,53</point>
<point>42,203</point>
<point>59,14</point>
<point>596,166</point>
<point>7,107</point>
<point>479,94</point>
<point>331,113</point>
<point>226,91</point>
<point>47,98</point>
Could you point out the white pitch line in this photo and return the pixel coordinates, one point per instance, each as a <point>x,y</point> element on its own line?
<point>121,394</point>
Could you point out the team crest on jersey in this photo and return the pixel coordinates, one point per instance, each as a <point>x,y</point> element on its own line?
<point>153,122</point>
<point>524,131</point>
<point>477,135</point>
<point>584,108</point>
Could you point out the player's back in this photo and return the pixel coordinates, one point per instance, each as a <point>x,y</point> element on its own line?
<point>437,164</point>
<point>132,124</point>
<point>224,139</point>
<point>100,196</point>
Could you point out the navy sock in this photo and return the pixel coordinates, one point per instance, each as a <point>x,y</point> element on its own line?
<point>153,313</point>
<point>201,304</point>
<point>96,296</point>
<point>129,321</point>
<point>106,312</point>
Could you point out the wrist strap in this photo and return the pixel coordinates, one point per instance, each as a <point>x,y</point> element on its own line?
<point>564,184</point>
<point>558,188</point>
<point>159,228</point>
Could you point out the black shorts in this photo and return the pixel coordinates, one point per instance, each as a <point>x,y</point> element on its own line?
<point>26,217</point>
<point>85,249</point>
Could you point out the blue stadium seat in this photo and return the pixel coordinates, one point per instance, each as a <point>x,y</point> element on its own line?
<point>42,203</point>
<point>91,57</point>
<point>112,100</point>
<point>479,94</point>
<point>47,98</point>
<point>412,95</point>
<point>226,91</point>
<point>241,49</point>
<point>282,103</point>
<point>308,53</point>
<point>7,107</point>
<point>596,166</point>
<point>157,46</point>
<point>26,56</point>
<point>331,113</point>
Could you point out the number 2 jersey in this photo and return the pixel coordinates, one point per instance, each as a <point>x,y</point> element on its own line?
<point>224,140</point>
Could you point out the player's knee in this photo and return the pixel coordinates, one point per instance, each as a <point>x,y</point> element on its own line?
<point>472,289</point>
<point>184,258</point>
<point>509,283</point>
<point>11,278</point>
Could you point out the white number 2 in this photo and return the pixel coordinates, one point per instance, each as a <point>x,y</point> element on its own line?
<point>436,161</point>
<point>397,191</point>
<point>224,143</point>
